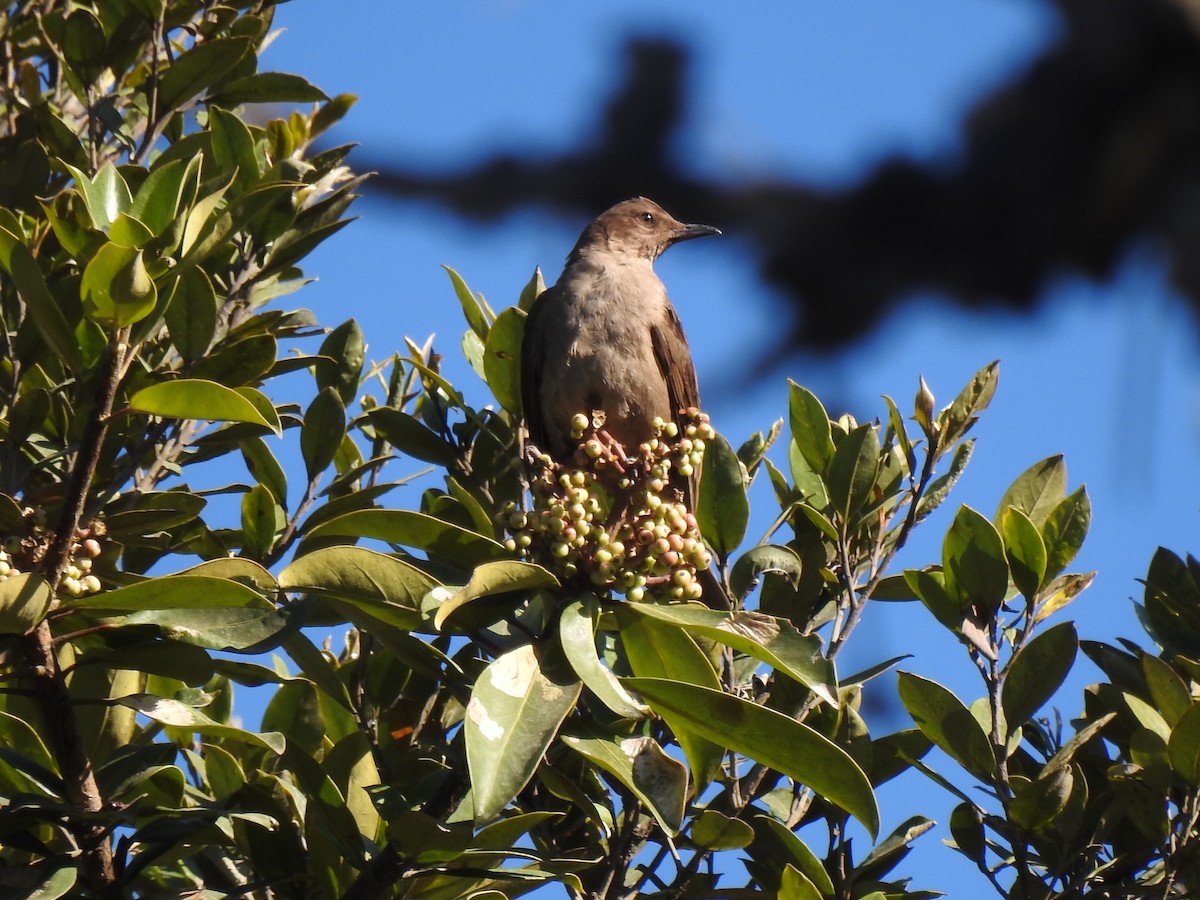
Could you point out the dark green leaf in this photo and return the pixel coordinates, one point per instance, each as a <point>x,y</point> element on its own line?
<point>198,69</point>
<point>1184,746</point>
<point>962,413</point>
<point>24,601</point>
<point>409,436</point>
<point>712,830</point>
<point>774,641</point>
<point>1170,693</point>
<point>192,314</point>
<point>217,628</point>
<point>342,354</point>
<point>1065,529</point>
<point>380,585</point>
<point>269,87</point>
<point>944,720</point>
<point>973,561</point>
<point>640,764</point>
<point>771,738</point>
<point>39,302</point>
<point>262,520</point>
<point>413,529</point>
<point>810,427</point>
<point>1037,490</point>
<point>176,592</point>
<point>852,472</point>
<point>1037,803</point>
<point>722,509</point>
<point>502,358</point>
<point>1024,550</point>
<point>1037,672</point>
<point>757,561</point>
<point>322,432</point>
<point>475,311</point>
<point>265,468</point>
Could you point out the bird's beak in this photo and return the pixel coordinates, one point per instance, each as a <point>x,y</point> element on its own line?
<point>687,232</point>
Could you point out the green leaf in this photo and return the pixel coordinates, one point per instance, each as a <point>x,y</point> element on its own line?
<point>761,560</point>
<point>233,147</point>
<point>661,650</point>
<point>191,314</point>
<point>127,231</point>
<point>322,432</point>
<point>409,436</point>
<point>382,586</point>
<point>966,827</point>
<point>1025,551</point>
<point>262,520</point>
<point>957,419</point>
<point>532,290</point>
<point>1168,690</point>
<point>973,561</point>
<point>172,712</point>
<point>270,87</point>
<point>106,196</point>
<point>852,472</point>
<point>640,764</point>
<point>39,302</point>
<point>516,707</point>
<point>340,361</point>
<point>171,659</point>
<point>116,288</point>
<point>412,529</point>
<point>902,439</point>
<point>24,602</point>
<point>930,588</point>
<point>1037,671</point>
<point>265,468</point>
<point>175,592</point>
<point>217,628</point>
<point>198,69</point>
<point>768,737</point>
<point>577,633</point>
<point>944,720</point>
<point>1065,529</point>
<point>496,577</point>
<point>795,885</point>
<point>157,200</point>
<point>722,509</point>
<point>195,398</point>
<point>473,307</point>
<point>774,641</point>
<point>773,840</point>
<point>1184,746</point>
<point>1037,490</point>
<point>712,830</point>
<point>810,427</point>
<point>502,358</point>
<point>1037,803</point>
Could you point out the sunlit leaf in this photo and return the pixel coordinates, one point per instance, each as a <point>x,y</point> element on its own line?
<point>380,585</point>
<point>515,709</point>
<point>24,601</point>
<point>1037,671</point>
<point>722,509</point>
<point>412,529</point>
<point>944,720</point>
<point>189,398</point>
<point>576,631</point>
<point>640,764</point>
<point>495,577</point>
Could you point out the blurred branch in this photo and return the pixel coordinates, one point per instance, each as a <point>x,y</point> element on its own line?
<point>1093,146</point>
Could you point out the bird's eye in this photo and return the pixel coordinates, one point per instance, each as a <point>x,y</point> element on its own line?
<point>647,217</point>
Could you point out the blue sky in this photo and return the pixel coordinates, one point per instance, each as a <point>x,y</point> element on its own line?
<point>1105,373</point>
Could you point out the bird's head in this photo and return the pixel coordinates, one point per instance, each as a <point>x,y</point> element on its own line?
<point>638,227</point>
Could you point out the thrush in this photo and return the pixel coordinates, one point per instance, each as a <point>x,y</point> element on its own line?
<point>606,338</point>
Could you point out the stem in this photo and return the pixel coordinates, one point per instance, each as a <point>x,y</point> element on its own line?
<point>49,682</point>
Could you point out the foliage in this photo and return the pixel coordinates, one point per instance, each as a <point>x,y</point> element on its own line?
<point>489,724</point>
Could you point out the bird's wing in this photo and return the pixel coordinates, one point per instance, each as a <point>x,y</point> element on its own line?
<point>675,362</point>
<point>533,359</point>
<point>679,372</point>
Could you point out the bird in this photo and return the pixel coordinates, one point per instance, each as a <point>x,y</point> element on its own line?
<point>606,338</point>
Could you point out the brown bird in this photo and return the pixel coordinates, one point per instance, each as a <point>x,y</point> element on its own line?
<point>606,337</point>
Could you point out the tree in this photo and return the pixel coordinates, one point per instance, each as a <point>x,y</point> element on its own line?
<point>521,697</point>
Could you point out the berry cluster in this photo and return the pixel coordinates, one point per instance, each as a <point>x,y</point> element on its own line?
<point>21,554</point>
<point>621,521</point>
